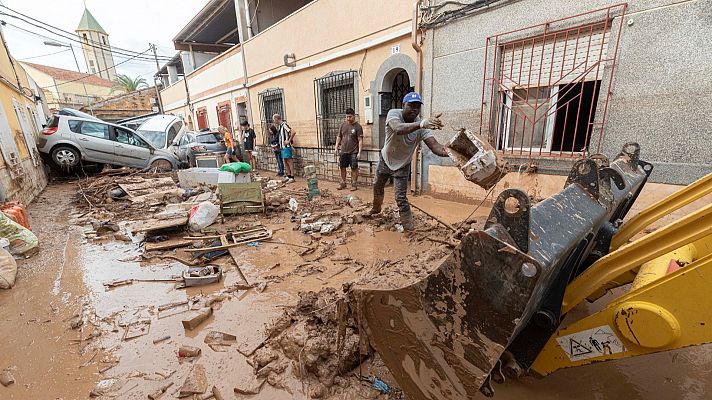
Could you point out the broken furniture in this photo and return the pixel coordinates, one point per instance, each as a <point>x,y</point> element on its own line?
<point>476,159</point>
<point>209,160</point>
<point>232,238</point>
<point>240,198</point>
<point>197,276</point>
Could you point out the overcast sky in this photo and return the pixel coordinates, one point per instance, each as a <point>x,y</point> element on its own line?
<point>131,24</point>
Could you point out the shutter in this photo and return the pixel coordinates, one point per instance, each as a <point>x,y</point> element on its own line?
<point>564,60</point>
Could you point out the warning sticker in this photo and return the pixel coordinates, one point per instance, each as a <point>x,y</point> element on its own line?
<point>591,343</point>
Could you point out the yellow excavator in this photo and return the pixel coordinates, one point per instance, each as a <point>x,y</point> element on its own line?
<point>495,308</point>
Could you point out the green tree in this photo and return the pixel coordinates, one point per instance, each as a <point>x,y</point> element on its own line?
<point>127,84</point>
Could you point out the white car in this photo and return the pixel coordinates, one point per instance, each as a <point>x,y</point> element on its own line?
<point>162,130</point>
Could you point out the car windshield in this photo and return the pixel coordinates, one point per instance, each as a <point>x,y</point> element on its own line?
<point>210,138</point>
<point>156,138</point>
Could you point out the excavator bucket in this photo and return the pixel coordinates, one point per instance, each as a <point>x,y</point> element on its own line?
<point>444,336</point>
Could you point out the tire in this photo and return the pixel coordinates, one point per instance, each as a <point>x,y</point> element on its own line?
<point>191,161</point>
<point>161,165</point>
<point>65,157</point>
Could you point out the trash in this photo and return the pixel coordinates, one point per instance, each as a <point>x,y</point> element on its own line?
<point>254,244</point>
<point>117,193</point>
<point>379,385</point>
<point>136,329</point>
<point>8,269</point>
<point>399,228</point>
<point>156,238</point>
<point>195,383</point>
<point>354,201</point>
<point>158,393</point>
<point>197,319</point>
<point>6,378</point>
<point>106,386</point>
<point>197,276</point>
<point>22,240</point>
<point>188,351</point>
<point>216,339</point>
<point>293,205</point>
<point>161,339</point>
<point>203,215</point>
<point>477,159</point>
<point>236,167</point>
<point>217,394</point>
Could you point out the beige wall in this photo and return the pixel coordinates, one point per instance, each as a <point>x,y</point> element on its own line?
<point>219,74</point>
<point>300,111</point>
<point>173,96</point>
<point>323,27</point>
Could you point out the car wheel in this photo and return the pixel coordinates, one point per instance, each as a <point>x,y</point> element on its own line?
<point>191,162</point>
<point>65,157</point>
<point>161,165</point>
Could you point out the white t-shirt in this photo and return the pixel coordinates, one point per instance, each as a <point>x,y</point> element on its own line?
<point>398,149</point>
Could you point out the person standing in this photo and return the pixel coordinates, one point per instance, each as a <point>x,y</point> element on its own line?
<point>349,144</point>
<point>404,132</point>
<point>248,138</point>
<point>229,144</point>
<point>274,143</point>
<point>286,138</point>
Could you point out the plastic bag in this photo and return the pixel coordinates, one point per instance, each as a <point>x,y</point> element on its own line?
<point>21,239</point>
<point>203,215</point>
<point>8,269</point>
<point>236,167</point>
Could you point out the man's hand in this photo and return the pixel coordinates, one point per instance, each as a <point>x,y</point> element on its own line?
<point>432,123</point>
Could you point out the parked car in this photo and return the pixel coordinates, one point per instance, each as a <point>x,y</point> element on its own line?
<point>196,143</point>
<point>68,139</point>
<point>162,131</point>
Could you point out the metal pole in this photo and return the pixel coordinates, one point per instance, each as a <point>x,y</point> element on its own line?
<point>158,70</point>
<point>91,108</point>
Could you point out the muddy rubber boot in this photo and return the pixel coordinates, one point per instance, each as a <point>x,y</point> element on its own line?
<point>376,208</point>
<point>407,221</point>
<point>342,186</point>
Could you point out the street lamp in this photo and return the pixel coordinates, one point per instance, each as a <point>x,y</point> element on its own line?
<point>57,44</point>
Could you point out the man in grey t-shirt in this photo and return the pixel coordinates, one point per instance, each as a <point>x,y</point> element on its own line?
<point>404,131</point>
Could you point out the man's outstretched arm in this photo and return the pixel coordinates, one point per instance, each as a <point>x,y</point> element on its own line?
<point>436,147</point>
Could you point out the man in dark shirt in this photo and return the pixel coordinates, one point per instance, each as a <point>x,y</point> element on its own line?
<point>349,143</point>
<point>274,143</point>
<point>248,138</point>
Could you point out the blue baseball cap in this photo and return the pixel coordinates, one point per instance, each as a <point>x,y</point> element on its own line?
<point>412,97</point>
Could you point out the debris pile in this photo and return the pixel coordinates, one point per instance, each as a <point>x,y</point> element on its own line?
<point>317,342</point>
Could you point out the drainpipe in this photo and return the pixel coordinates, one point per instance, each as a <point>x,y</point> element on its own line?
<point>418,86</point>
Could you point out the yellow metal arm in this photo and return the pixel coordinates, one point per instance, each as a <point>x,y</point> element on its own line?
<point>669,313</point>
<point>673,236</point>
<point>675,201</point>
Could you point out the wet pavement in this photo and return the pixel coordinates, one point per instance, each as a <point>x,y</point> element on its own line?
<point>63,286</point>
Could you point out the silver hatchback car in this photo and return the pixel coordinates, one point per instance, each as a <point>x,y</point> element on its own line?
<point>69,139</point>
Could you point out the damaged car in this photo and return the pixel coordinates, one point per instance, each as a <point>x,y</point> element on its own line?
<point>69,140</point>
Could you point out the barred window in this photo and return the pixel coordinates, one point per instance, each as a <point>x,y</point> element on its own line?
<point>334,94</point>
<point>271,102</point>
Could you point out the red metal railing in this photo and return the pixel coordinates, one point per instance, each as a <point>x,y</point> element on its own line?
<point>542,84</point>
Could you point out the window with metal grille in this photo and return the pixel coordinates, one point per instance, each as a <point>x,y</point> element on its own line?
<point>543,84</point>
<point>271,102</point>
<point>333,94</point>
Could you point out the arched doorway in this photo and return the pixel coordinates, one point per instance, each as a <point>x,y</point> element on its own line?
<point>394,79</point>
<point>396,84</point>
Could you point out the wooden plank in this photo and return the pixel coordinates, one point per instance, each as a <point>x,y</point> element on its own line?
<point>237,243</point>
<point>156,224</point>
<point>167,245</point>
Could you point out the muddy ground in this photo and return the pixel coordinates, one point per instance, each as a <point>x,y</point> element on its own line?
<point>63,332</point>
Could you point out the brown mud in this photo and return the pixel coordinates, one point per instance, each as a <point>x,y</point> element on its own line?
<point>63,287</point>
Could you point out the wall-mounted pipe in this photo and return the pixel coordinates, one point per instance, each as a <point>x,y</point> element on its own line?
<point>418,86</point>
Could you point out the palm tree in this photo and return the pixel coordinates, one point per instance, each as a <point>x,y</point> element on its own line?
<point>125,83</point>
